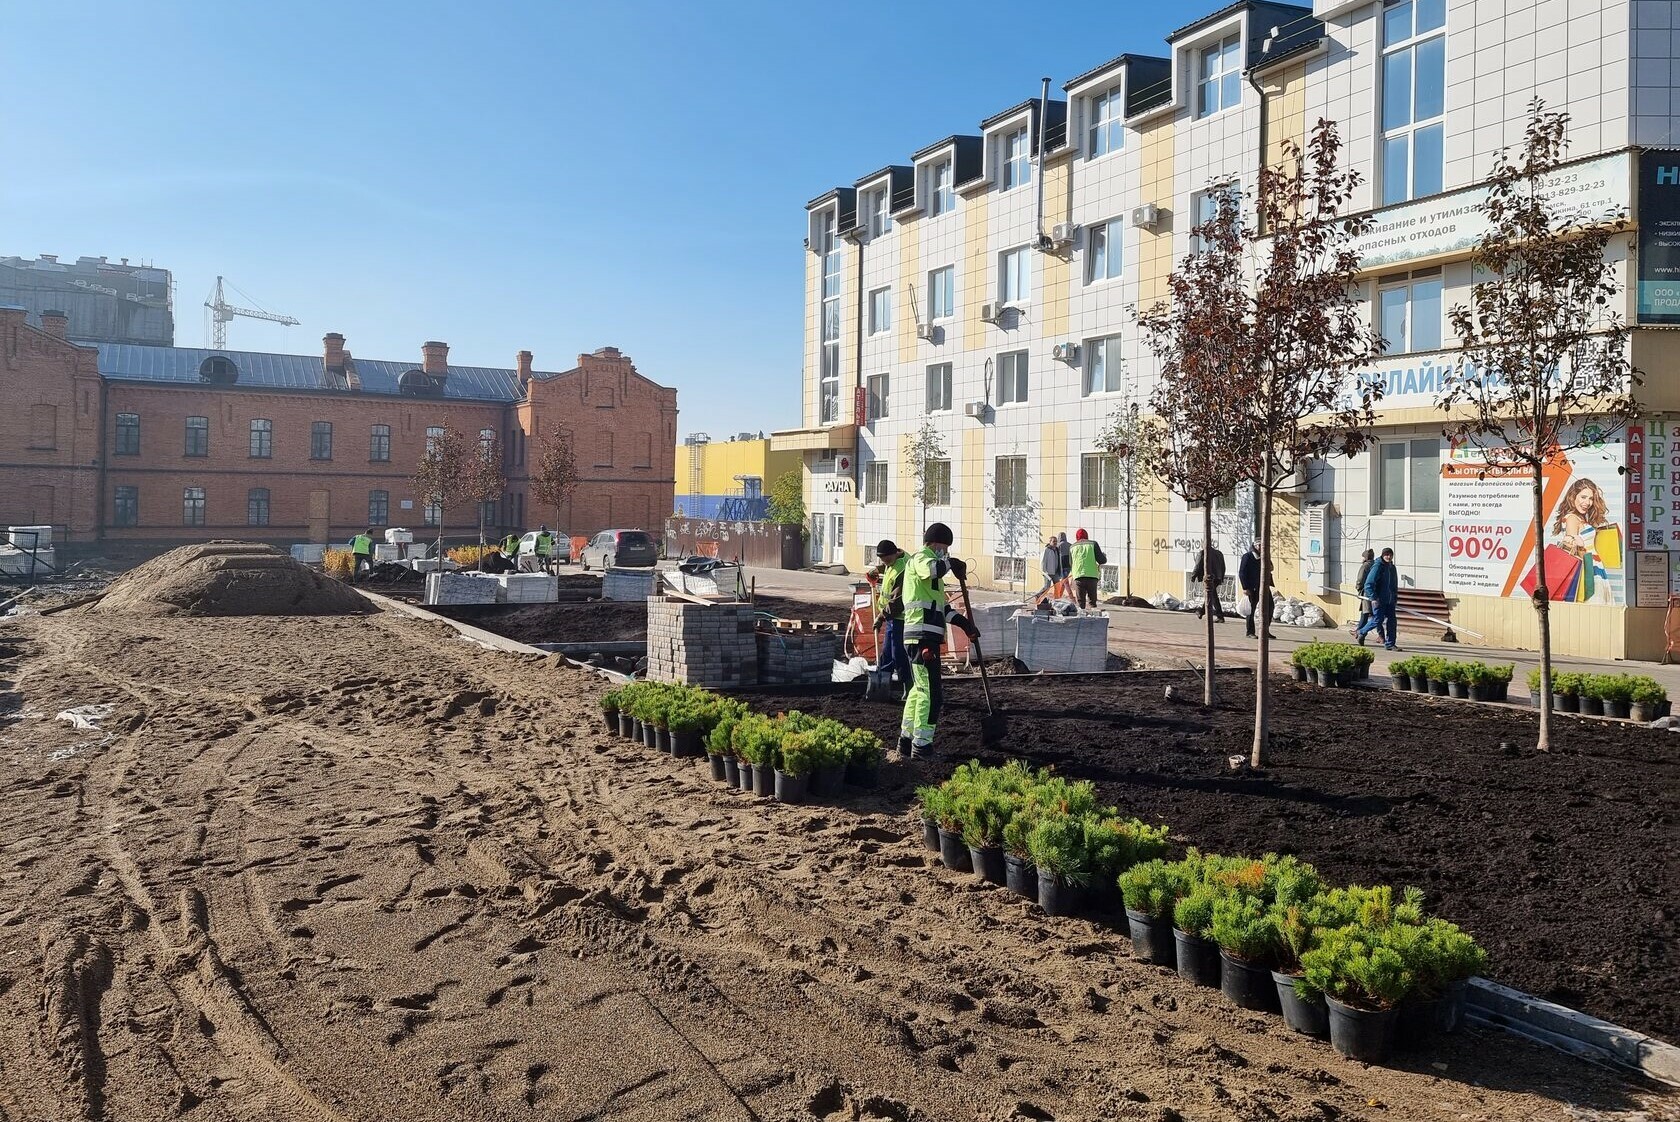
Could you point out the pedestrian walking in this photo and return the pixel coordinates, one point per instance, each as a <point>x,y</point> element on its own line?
<point>1065,549</point>
<point>1255,579</point>
<point>1382,589</point>
<point>1366,560</point>
<point>926,614</point>
<point>1210,571</point>
<point>1051,563</point>
<point>1085,562</point>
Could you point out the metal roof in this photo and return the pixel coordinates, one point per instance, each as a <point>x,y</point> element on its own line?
<point>259,370</point>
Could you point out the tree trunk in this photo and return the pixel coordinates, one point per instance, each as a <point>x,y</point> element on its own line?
<point>481,537</point>
<point>1208,586</point>
<point>1263,628</point>
<point>1542,605</point>
<point>1131,502</point>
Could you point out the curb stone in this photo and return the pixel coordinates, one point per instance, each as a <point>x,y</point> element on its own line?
<point>1567,1030</point>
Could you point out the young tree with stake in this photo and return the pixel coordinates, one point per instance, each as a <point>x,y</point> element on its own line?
<point>555,477</point>
<point>921,452</point>
<point>485,480</point>
<point>442,478</point>
<point>1119,440</point>
<point>1544,365</point>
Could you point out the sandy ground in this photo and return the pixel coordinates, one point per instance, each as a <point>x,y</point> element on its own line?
<point>357,869</point>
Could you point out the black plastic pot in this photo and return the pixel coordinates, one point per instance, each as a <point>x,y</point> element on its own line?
<point>731,771</point>
<point>863,775</point>
<point>662,741</point>
<point>1152,939</point>
<point>1020,875</point>
<point>1641,712</point>
<point>988,862</point>
<point>791,788</point>
<point>930,835</point>
<point>1246,985</point>
<point>1665,708</point>
<point>636,726</point>
<point>826,782</point>
<point>1352,676</point>
<point>1480,692</point>
<point>610,717</point>
<point>1591,706</point>
<point>1326,677</point>
<point>1309,1017</point>
<point>1416,1022</point>
<point>1198,959</point>
<point>650,736</point>
<point>1056,896</point>
<point>1617,708</point>
<point>1498,691</point>
<point>953,852</point>
<point>1420,684</point>
<point>686,744</point>
<point>1401,682</point>
<point>764,781</point>
<point>1438,688</point>
<point>1566,703</point>
<point>626,726</point>
<point>720,767</point>
<point>1360,1034</point>
<point>1300,673</point>
<point>1460,690</point>
<point>744,776</point>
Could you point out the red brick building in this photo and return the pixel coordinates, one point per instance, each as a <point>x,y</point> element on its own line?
<point>166,444</point>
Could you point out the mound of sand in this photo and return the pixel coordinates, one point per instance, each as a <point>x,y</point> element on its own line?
<point>228,579</point>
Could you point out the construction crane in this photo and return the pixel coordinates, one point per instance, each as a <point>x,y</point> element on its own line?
<point>222,313</point>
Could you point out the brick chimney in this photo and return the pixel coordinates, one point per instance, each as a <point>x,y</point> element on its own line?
<point>522,362</point>
<point>55,323</point>
<point>435,358</point>
<point>332,349</point>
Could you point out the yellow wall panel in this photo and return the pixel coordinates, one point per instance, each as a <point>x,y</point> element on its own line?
<point>1155,250</point>
<point>977,271</point>
<point>912,302</point>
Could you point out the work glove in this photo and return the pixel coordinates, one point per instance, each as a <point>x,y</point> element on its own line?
<point>958,567</point>
<point>969,628</point>
<point>878,622</point>
<point>928,655</point>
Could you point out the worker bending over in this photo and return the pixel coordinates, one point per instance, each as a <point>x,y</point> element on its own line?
<point>361,549</point>
<point>925,617</point>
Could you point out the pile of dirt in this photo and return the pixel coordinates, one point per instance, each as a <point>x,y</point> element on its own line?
<point>224,578</point>
<point>1563,864</point>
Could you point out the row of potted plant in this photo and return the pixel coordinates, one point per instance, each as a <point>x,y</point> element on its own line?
<point>1331,664</point>
<point>1349,964</point>
<point>1473,681</point>
<point>789,756</point>
<point>1629,696</point>
<point>1040,835</point>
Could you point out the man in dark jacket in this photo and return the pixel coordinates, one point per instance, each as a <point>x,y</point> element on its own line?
<point>1249,576</point>
<point>1366,560</point>
<point>1210,567</point>
<point>1382,589</point>
<point>1051,563</point>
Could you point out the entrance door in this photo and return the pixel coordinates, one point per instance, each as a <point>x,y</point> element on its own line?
<point>836,539</point>
<point>320,509</point>
<point>819,554</point>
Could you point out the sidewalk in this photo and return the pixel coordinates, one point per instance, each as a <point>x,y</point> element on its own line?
<point>1160,637</point>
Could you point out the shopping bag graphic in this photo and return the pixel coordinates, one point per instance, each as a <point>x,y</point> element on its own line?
<point>1607,543</point>
<point>1563,572</point>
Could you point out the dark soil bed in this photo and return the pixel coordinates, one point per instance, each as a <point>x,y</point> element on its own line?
<point>605,621</point>
<point>1565,865</point>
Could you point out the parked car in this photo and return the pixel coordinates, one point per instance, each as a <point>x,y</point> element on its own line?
<point>620,549</point>
<point>562,545</point>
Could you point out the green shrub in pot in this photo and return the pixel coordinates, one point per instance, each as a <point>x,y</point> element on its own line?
<point>1438,954</point>
<point>796,754</point>
<point>1057,845</point>
<point>1153,887</point>
<point>1567,683</point>
<point>1115,844</point>
<point>1646,691</point>
<point>1356,966</point>
<point>756,739</point>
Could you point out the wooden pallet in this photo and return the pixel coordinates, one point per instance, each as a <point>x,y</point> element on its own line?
<point>802,625</point>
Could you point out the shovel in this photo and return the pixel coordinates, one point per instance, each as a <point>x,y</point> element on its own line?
<point>993,726</point>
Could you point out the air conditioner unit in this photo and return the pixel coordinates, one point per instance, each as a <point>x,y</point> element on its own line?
<point>1065,352</point>
<point>1296,481</point>
<point>1063,233</point>
<point>991,312</point>
<point>974,409</point>
<point>924,331</point>
<point>1146,217</point>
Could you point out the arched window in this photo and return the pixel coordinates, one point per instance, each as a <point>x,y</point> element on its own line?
<point>218,369</point>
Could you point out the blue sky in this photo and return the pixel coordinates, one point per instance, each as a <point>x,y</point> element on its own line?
<point>500,176</point>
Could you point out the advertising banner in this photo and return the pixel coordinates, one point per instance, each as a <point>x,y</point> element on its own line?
<point>1659,236</point>
<point>1488,542</point>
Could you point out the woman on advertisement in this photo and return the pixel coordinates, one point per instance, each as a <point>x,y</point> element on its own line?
<point>1584,529</point>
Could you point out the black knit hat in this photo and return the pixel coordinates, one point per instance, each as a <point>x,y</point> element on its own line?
<point>886,547</point>
<point>937,534</point>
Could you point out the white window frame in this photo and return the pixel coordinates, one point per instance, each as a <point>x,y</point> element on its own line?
<point>1014,378</point>
<point>879,209</point>
<point>1203,207</point>
<point>875,482</point>
<point>1402,291</point>
<point>1101,356</point>
<point>880,310</point>
<point>1099,481</point>
<point>937,388</point>
<point>1417,467</point>
<point>877,393</point>
<point>1219,72</point>
<point>1105,128</point>
<point>1105,256</point>
<point>1014,159</point>
<point>937,309</point>
<point>942,196</point>
<point>1015,276</point>
<point>1407,51</point>
<point>828,350</point>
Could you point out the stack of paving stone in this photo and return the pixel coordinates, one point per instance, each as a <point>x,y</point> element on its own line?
<point>627,584</point>
<point>528,588</point>
<point>701,644</point>
<point>797,657</point>
<point>461,588</point>
<point>1068,644</point>
<point>997,627</point>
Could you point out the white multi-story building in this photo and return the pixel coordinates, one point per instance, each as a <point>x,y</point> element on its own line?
<point>990,285</point>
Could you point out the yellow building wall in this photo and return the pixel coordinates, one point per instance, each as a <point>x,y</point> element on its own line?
<point>1286,111</point>
<point>977,272</point>
<point>1051,291</point>
<point>972,497</point>
<point>722,461</point>
<point>1155,256</point>
<point>1152,567</point>
<point>912,299</point>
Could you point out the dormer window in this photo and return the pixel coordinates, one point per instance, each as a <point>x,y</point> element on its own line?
<point>1219,77</point>
<point>941,196</point>
<point>219,370</point>
<point>418,383</point>
<point>1017,160</point>
<point>878,207</point>
<point>1106,131</point>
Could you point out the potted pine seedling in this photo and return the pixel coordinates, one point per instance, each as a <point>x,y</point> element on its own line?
<point>1590,696</point>
<point>745,742</point>
<point>1298,663</point>
<point>929,799</point>
<point>863,758</point>
<point>1248,946</point>
<point>1645,699</point>
<point>1477,675</point>
<point>984,819</point>
<point>1150,889</point>
<point>609,709</point>
<point>1439,668</point>
<point>1499,681</point>
<point>1618,695</point>
<point>1362,660</point>
<point>793,767</point>
<point>1115,844</point>
<point>1400,674</point>
<point>1302,1006</point>
<point>828,759</point>
<point>1198,955</point>
<point>686,722</point>
<point>1534,698</point>
<point>953,851</point>
<point>1442,958</point>
<point>1057,844</point>
<point>1566,691</point>
<point>1019,872</point>
<point>765,755</point>
<point>1455,675</point>
<point>717,748</point>
<point>1362,979</point>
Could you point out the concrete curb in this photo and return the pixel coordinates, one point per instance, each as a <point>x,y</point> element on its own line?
<point>1489,1003</point>
<point>477,634</point>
